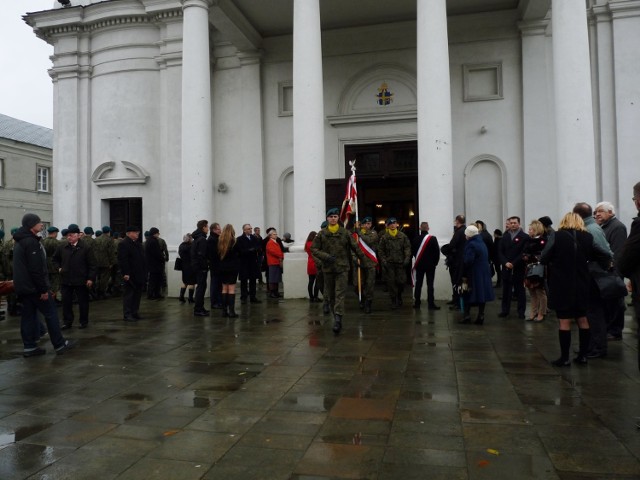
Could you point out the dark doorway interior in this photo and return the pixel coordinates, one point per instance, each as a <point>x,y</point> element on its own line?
<point>387,179</point>
<point>124,212</point>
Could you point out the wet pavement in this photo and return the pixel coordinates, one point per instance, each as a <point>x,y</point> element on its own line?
<point>274,395</point>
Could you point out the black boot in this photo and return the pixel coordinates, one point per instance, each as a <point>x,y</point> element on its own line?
<point>565,344</point>
<point>191,290</point>
<point>225,304</point>
<point>181,297</point>
<point>394,303</point>
<point>231,298</point>
<point>337,323</point>
<point>367,306</point>
<point>400,299</point>
<point>584,339</point>
<point>480,317</point>
<point>467,314</point>
<point>326,309</point>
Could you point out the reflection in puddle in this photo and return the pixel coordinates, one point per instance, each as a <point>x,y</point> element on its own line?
<point>7,438</point>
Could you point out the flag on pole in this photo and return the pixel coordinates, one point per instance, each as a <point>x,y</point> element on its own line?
<point>349,205</point>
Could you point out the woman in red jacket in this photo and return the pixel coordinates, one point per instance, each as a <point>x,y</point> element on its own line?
<point>275,256</point>
<point>313,287</point>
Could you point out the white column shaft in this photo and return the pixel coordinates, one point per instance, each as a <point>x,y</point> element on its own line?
<point>575,148</point>
<point>435,182</point>
<point>197,164</point>
<point>308,119</point>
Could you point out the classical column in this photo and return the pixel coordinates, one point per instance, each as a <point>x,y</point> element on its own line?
<point>308,119</point>
<point>575,151</point>
<point>537,121</point>
<point>197,164</point>
<point>435,183</point>
<point>252,159</point>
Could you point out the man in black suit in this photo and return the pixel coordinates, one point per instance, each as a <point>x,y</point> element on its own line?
<point>200,265</point>
<point>155,264</point>
<point>131,260</point>
<point>249,270</point>
<point>454,251</point>
<point>513,267</point>
<point>214,265</point>
<point>426,251</point>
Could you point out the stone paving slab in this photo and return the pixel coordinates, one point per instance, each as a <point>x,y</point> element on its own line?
<point>275,395</point>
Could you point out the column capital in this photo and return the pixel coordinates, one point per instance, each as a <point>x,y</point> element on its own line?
<point>533,27</point>
<point>206,4</point>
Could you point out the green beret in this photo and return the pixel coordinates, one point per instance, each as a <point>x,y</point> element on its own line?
<point>88,231</point>
<point>52,230</point>
<point>367,220</point>
<point>333,211</point>
<point>391,220</point>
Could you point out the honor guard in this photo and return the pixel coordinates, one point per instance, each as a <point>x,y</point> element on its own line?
<point>368,265</point>
<point>394,252</point>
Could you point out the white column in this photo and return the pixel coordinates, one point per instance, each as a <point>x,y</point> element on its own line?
<point>197,164</point>
<point>575,151</point>
<point>308,119</point>
<point>537,121</point>
<point>252,154</point>
<point>435,170</point>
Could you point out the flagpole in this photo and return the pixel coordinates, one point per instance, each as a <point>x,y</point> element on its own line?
<point>353,174</point>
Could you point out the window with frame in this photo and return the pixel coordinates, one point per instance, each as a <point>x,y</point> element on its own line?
<point>42,180</point>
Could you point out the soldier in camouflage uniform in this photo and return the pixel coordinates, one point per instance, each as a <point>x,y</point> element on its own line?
<point>394,254</point>
<point>332,248</point>
<point>105,252</point>
<point>50,244</point>
<point>367,266</point>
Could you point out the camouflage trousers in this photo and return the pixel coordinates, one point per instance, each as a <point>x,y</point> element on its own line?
<point>367,281</point>
<point>103,277</point>
<point>335,288</point>
<point>54,280</point>
<point>395,276</point>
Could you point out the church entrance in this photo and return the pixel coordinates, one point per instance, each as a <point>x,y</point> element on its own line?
<point>124,212</point>
<point>387,179</point>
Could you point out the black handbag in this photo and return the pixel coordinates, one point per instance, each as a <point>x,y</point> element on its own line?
<point>610,284</point>
<point>534,270</point>
<point>178,264</point>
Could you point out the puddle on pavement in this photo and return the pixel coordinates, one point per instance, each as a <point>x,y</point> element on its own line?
<point>22,433</point>
<point>7,438</point>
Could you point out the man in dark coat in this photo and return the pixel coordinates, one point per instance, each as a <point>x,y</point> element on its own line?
<point>133,269</point>
<point>31,280</point>
<point>616,233</point>
<point>214,265</point>
<point>200,265</point>
<point>155,264</point>
<point>513,267</point>
<point>426,251</point>
<point>76,264</point>
<point>629,259</point>
<point>454,251</point>
<point>249,270</point>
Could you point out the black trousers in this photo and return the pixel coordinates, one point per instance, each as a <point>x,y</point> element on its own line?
<point>247,286</point>
<point>131,295</point>
<point>82,294</point>
<point>430,273</point>
<point>201,288</point>
<point>154,288</point>
<point>513,279</point>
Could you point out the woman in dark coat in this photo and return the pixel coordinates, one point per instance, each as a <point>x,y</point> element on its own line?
<point>189,277</point>
<point>567,255</point>
<point>477,275</point>
<point>229,252</point>
<point>531,255</point>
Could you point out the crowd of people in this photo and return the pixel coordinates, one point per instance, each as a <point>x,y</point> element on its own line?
<point>577,270</point>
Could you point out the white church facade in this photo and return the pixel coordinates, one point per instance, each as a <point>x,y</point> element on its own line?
<point>244,111</point>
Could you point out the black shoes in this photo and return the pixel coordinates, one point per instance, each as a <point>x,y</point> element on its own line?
<point>465,320</point>
<point>66,346</point>
<point>326,309</point>
<point>367,306</point>
<point>337,324</point>
<point>595,354</point>
<point>34,353</point>
<point>66,326</point>
<point>201,313</point>
<point>561,362</point>
<point>479,320</point>
<point>130,319</point>
<point>503,315</point>
<point>581,360</point>
<point>255,300</point>
<point>434,307</point>
<point>83,326</point>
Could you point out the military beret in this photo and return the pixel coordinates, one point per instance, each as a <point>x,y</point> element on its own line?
<point>73,228</point>
<point>98,233</point>
<point>391,220</point>
<point>367,220</point>
<point>324,224</point>
<point>153,231</point>
<point>106,229</point>
<point>147,234</point>
<point>132,228</point>
<point>64,232</point>
<point>333,211</point>
<point>14,230</point>
<point>88,231</point>
<point>52,230</point>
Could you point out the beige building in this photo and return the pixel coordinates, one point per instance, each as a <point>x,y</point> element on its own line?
<point>25,172</point>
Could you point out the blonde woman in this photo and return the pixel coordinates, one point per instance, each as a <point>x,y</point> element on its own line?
<point>567,256</point>
<point>531,255</point>
<point>229,267</point>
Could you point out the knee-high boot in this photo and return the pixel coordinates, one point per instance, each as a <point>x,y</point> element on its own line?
<point>225,304</point>
<point>584,339</point>
<point>181,297</point>
<point>191,295</point>
<point>565,344</point>
<point>231,299</point>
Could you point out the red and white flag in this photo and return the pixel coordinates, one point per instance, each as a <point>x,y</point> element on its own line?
<point>350,203</point>
<point>366,249</point>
